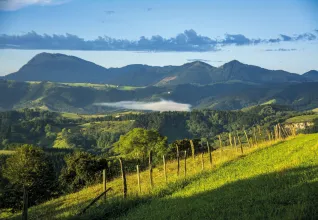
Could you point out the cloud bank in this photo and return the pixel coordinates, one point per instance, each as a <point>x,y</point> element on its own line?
<point>189,41</point>
<point>162,106</point>
<point>201,60</point>
<point>11,5</point>
<point>282,49</point>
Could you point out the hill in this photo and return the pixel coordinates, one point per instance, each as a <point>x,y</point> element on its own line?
<point>59,67</point>
<point>63,68</point>
<point>202,73</point>
<point>80,97</point>
<point>278,182</point>
<point>272,181</point>
<point>311,75</point>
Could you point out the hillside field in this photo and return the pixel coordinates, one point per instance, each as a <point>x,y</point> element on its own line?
<point>302,118</point>
<point>272,181</point>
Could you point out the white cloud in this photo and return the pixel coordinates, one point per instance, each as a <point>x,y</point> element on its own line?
<point>12,5</point>
<point>162,106</point>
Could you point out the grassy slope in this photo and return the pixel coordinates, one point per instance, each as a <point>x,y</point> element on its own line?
<point>302,118</point>
<point>273,181</point>
<point>101,86</point>
<point>279,182</point>
<point>6,152</point>
<point>81,116</point>
<point>70,205</point>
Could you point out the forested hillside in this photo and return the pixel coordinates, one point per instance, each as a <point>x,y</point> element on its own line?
<point>80,98</point>
<point>97,134</point>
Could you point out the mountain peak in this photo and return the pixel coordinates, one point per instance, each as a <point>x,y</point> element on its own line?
<point>311,72</point>
<point>50,55</point>
<point>44,57</point>
<point>197,63</point>
<point>234,62</point>
<point>311,75</point>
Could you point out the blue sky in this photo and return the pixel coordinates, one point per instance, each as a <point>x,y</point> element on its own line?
<point>274,31</point>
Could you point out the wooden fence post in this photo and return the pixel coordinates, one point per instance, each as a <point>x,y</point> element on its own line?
<point>220,142</point>
<point>239,139</point>
<point>230,139</point>
<point>202,161</point>
<point>138,179</point>
<point>248,142</point>
<point>25,204</point>
<point>276,133</point>
<point>269,135</point>
<point>210,154</point>
<point>178,160</point>
<point>235,145</point>
<point>123,176</point>
<point>104,182</point>
<point>192,149</point>
<point>255,138</point>
<point>150,170</point>
<point>185,164</point>
<point>164,167</point>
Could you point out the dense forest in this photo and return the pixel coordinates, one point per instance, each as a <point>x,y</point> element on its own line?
<point>50,129</point>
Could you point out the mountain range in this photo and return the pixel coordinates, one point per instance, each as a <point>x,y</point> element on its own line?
<point>70,69</point>
<point>69,84</point>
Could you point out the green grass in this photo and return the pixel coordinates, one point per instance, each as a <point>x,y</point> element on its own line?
<point>92,85</point>
<point>270,102</point>
<point>278,182</point>
<point>80,116</point>
<point>271,181</point>
<point>302,118</point>
<point>315,110</point>
<point>101,86</point>
<point>110,126</point>
<point>6,152</point>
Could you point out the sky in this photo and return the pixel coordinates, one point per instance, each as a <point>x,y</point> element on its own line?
<point>274,34</point>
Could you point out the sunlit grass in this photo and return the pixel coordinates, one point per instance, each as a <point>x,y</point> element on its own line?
<point>110,126</point>
<point>302,118</point>
<point>278,182</point>
<point>72,204</point>
<point>6,152</point>
<point>80,116</point>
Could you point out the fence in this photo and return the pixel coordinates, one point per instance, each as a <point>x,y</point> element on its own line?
<point>189,163</point>
<point>139,183</point>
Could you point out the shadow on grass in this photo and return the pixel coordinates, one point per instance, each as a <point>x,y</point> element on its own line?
<point>49,211</point>
<point>288,194</point>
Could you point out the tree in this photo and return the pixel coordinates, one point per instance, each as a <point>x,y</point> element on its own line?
<point>81,169</point>
<point>137,144</point>
<point>30,168</point>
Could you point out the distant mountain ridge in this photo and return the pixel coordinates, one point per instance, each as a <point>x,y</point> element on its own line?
<point>64,68</point>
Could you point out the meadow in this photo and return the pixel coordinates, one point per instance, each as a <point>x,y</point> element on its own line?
<point>272,180</point>
<point>101,86</point>
<point>302,118</point>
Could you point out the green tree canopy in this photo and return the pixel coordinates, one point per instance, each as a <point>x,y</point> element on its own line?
<point>137,144</point>
<point>30,167</point>
<point>81,169</point>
